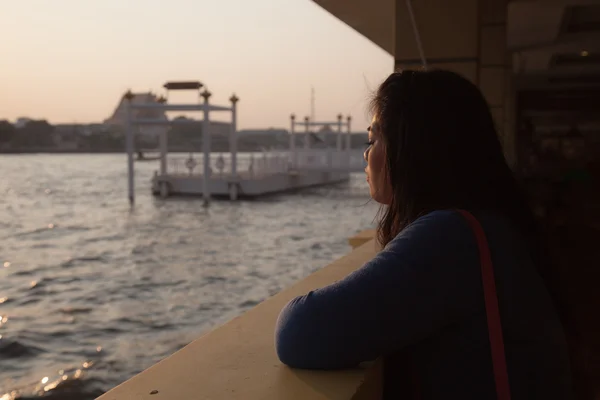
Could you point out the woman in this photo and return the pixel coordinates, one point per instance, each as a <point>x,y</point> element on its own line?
<point>419,303</point>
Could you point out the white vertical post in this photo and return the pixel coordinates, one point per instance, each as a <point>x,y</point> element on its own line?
<point>163,152</point>
<point>329,148</point>
<point>339,133</point>
<point>306,133</point>
<point>129,148</point>
<point>163,158</point>
<point>293,152</point>
<point>163,164</point>
<point>338,141</point>
<point>233,148</point>
<point>206,149</point>
<point>348,121</point>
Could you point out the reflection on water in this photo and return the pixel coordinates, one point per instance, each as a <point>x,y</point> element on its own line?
<point>92,292</point>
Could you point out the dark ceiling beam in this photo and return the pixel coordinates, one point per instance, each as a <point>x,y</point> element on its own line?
<point>561,100</point>
<point>574,41</point>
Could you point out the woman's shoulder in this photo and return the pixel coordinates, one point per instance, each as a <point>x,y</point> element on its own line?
<point>439,237</point>
<point>448,232</point>
<point>438,220</point>
<point>442,223</point>
<point>435,226</point>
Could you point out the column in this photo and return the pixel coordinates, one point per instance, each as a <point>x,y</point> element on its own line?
<point>495,65</point>
<point>348,143</point>
<point>206,149</point>
<point>163,162</point>
<point>449,32</point>
<point>338,142</point>
<point>233,188</point>
<point>468,37</point>
<point>233,135</point>
<point>495,72</point>
<point>293,152</point>
<point>129,148</point>
<point>307,133</point>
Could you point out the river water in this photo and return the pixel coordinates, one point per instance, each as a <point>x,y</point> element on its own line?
<point>93,292</point>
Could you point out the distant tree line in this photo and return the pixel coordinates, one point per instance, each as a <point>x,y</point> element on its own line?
<point>41,136</point>
<point>32,134</point>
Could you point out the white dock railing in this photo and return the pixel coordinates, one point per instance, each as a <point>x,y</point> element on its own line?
<point>265,163</point>
<point>329,159</point>
<point>253,164</point>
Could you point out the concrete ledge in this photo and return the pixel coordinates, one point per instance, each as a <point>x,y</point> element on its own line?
<point>238,360</point>
<point>361,238</point>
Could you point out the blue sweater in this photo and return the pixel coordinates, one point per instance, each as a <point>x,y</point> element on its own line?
<point>419,304</point>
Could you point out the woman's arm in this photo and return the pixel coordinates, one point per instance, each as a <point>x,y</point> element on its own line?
<point>425,279</point>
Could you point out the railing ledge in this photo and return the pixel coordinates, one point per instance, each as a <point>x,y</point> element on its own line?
<point>361,238</point>
<point>238,360</point>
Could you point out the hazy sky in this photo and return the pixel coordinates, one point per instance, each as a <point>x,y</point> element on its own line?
<point>71,60</point>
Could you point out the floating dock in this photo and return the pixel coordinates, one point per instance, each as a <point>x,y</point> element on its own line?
<point>264,174</point>
<point>234,175</point>
<point>244,185</point>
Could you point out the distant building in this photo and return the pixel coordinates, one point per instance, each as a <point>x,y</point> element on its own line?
<point>21,122</point>
<point>119,117</point>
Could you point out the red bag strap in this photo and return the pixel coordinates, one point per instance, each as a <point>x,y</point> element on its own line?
<point>491,308</point>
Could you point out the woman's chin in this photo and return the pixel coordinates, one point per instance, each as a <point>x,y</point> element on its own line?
<point>378,198</point>
<point>373,194</point>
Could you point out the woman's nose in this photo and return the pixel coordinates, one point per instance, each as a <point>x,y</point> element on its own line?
<point>366,154</point>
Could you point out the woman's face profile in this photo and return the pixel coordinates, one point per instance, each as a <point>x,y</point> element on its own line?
<point>379,187</point>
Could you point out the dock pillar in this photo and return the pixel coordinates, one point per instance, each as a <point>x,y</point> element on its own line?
<point>293,152</point>
<point>307,133</point>
<point>206,149</point>
<point>163,163</point>
<point>233,191</point>
<point>338,141</point>
<point>329,153</point>
<point>233,188</point>
<point>129,149</point>
<point>306,153</point>
<point>348,144</point>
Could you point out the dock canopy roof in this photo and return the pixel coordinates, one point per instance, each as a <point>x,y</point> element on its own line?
<point>183,85</point>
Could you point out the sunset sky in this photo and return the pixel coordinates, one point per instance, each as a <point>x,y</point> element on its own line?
<point>70,60</point>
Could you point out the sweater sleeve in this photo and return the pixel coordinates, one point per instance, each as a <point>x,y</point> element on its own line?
<point>425,279</point>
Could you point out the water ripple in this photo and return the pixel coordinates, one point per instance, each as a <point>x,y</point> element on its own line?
<point>95,292</point>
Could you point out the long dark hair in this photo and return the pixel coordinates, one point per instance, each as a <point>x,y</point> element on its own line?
<point>442,151</point>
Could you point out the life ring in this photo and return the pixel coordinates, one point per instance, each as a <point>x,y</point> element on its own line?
<point>190,164</point>
<point>220,164</point>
